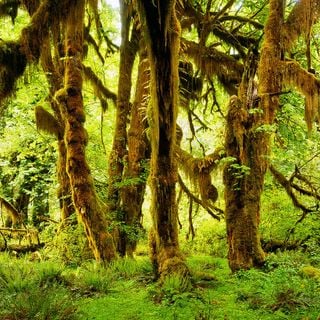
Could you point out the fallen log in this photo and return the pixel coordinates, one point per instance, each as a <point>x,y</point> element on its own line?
<point>21,249</point>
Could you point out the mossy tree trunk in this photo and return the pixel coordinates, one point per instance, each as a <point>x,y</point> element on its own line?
<point>248,141</point>
<point>128,50</point>
<point>54,72</point>
<point>71,102</point>
<point>243,181</point>
<point>64,191</point>
<point>136,170</point>
<point>162,31</point>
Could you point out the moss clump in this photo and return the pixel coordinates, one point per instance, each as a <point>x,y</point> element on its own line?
<point>310,272</point>
<point>13,63</point>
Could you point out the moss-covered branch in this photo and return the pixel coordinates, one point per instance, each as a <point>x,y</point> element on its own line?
<point>285,183</point>
<point>195,199</point>
<point>213,62</point>
<point>300,20</point>
<point>100,89</point>
<point>306,83</point>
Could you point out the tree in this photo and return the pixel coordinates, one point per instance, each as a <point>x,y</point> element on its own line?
<point>128,50</point>
<point>136,166</point>
<point>249,128</point>
<point>70,101</point>
<point>162,31</point>
<point>69,98</point>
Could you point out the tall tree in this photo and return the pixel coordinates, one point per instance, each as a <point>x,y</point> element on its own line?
<point>136,166</point>
<point>249,127</point>
<point>162,32</point>
<point>71,103</point>
<point>128,50</point>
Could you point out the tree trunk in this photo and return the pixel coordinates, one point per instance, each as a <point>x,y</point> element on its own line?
<point>163,31</point>
<point>71,103</point>
<point>128,51</point>
<point>136,170</point>
<point>64,191</point>
<point>248,141</point>
<point>55,79</point>
<point>243,190</point>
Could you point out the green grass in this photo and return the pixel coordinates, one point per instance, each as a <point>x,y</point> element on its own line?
<point>126,291</point>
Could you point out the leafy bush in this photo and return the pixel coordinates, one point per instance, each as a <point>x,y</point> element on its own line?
<point>90,278</point>
<point>282,288</point>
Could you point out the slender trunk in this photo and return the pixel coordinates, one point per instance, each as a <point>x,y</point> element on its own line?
<point>163,31</point>
<point>136,170</point>
<point>243,190</point>
<point>64,191</point>
<point>70,98</point>
<point>55,79</point>
<point>128,51</point>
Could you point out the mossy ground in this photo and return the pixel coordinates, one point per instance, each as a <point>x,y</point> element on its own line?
<point>126,290</point>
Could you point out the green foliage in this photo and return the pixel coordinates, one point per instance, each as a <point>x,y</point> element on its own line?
<point>129,268</point>
<point>31,291</point>
<point>210,239</point>
<point>125,290</point>
<point>239,170</point>
<point>281,288</point>
<point>267,128</point>
<point>39,303</point>
<point>68,245</point>
<point>174,288</point>
<point>91,278</point>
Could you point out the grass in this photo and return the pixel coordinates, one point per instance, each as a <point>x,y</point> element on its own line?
<point>126,290</point>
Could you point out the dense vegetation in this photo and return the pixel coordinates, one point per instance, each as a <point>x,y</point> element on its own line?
<point>159,160</point>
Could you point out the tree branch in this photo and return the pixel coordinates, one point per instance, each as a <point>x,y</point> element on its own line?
<point>285,183</point>
<point>197,200</point>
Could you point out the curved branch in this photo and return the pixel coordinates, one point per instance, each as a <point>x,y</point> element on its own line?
<point>285,183</point>
<point>192,197</point>
<point>254,23</point>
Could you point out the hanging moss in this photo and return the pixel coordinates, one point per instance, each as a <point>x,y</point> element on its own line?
<point>46,122</point>
<point>33,35</point>
<point>190,85</point>
<point>212,62</point>
<point>300,20</point>
<point>13,63</point>
<point>307,84</point>
<point>99,88</point>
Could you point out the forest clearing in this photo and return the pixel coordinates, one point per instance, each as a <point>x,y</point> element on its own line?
<point>159,159</point>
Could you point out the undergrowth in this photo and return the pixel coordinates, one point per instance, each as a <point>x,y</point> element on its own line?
<point>286,288</point>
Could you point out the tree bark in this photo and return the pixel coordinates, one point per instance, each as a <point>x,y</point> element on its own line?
<point>71,102</point>
<point>248,142</point>
<point>162,32</point>
<point>136,170</point>
<point>54,73</point>
<point>128,51</point>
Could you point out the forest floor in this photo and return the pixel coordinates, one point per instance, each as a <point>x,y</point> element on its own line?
<point>287,288</point>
